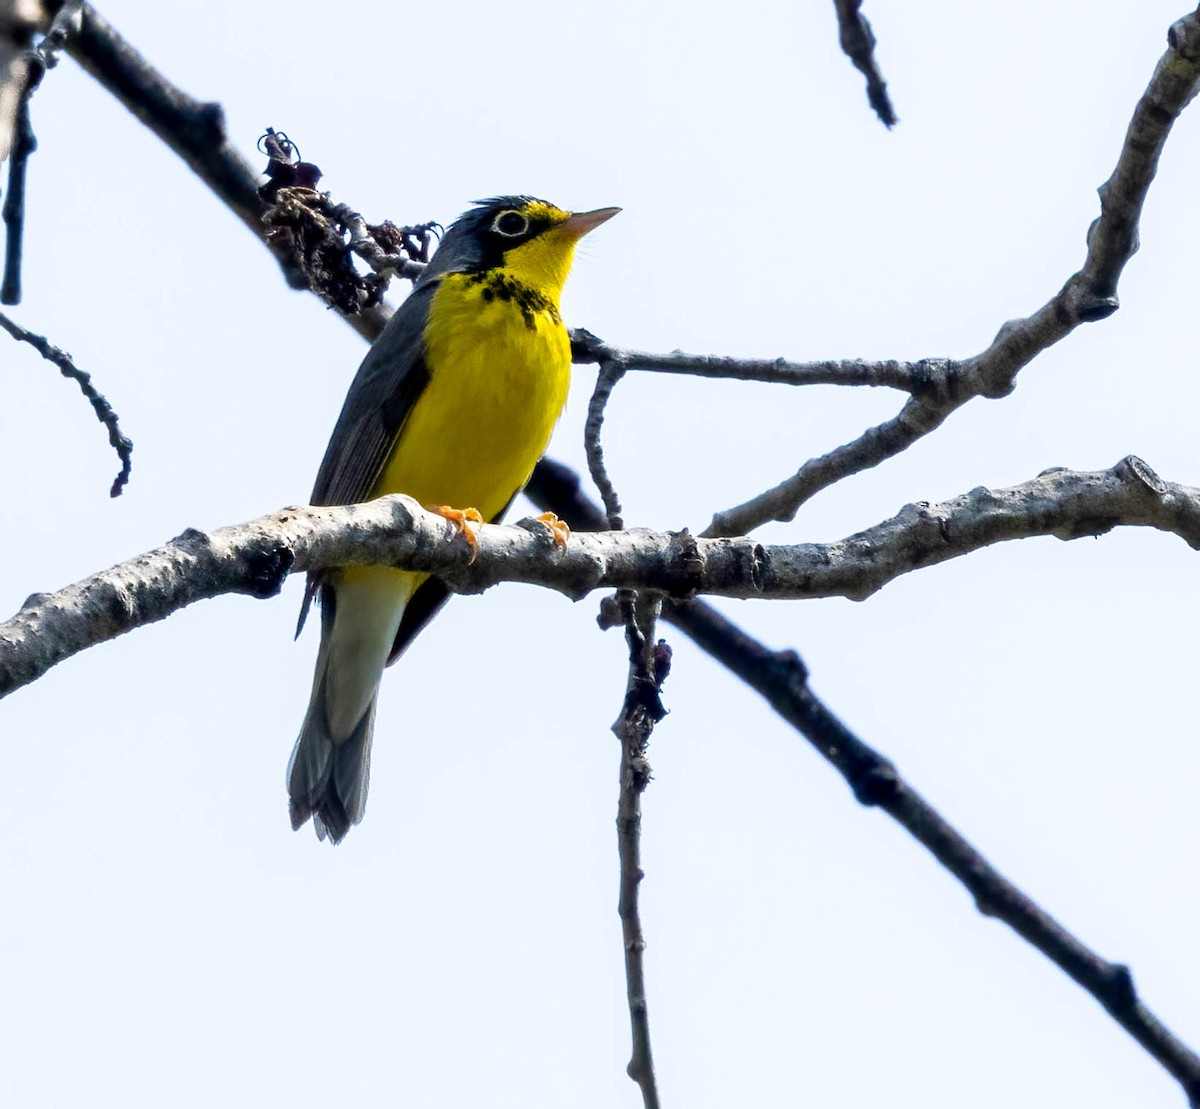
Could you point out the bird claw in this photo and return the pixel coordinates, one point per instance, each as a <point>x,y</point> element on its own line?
<point>466,520</point>
<point>559,530</point>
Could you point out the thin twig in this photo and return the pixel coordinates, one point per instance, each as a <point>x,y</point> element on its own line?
<point>910,377</point>
<point>42,57</point>
<point>1088,295</point>
<point>858,44</point>
<point>611,371</point>
<point>365,240</point>
<point>780,677</point>
<point>641,710</point>
<point>649,665</point>
<point>104,411</point>
<point>24,143</point>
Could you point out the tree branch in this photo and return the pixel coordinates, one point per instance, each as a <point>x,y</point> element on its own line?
<point>910,377</point>
<point>119,442</point>
<point>255,557</point>
<point>641,710</point>
<point>606,380</point>
<point>24,143</point>
<point>858,44</point>
<point>1088,295</point>
<point>36,61</point>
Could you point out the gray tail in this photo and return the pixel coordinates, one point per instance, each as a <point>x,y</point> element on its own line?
<point>331,765</point>
<point>328,780</point>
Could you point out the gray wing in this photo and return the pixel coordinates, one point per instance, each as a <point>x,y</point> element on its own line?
<point>387,385</point>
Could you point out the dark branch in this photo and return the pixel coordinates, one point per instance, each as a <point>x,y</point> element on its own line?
<point>24,143</point>
<point>606,380</point>
<point>36,61</point>
<point>641,710</point>
<point>104,411</point>
<point>858,44</point>
<point>649,664</point>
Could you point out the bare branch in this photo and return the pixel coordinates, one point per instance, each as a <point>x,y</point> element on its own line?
<point>409,246</point>
<point>254,558</point>
<point>858,44</point>
<point>24,143</point>
<point>641,710</point>
<point>649,664</point>
<point>910,377</point>
<point>1089,295</point>
<point>42,57</point>
<point>104,411</point>
<point>610,373</point>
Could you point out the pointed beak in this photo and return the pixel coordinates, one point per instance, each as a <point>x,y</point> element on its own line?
<point>580,223</point>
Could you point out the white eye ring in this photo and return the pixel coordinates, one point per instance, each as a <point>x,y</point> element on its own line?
<point>515,228</point>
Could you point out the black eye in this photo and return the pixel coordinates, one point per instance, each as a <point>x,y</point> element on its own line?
<point>510,224</point>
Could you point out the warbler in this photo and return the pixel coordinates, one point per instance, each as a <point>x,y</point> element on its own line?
<point>453,405</point>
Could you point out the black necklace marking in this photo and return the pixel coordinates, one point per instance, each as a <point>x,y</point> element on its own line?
<point>497,285</point>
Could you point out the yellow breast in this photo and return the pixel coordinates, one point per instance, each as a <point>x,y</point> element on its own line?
<point>499,366</point>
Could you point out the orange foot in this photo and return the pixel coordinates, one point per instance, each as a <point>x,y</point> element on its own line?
<point>558,528</point>
<point>465,519</point>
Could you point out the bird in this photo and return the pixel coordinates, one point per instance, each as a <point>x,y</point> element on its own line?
<point>454,404</point>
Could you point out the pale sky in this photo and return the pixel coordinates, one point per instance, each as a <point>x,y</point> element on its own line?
<point>168,940</point>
